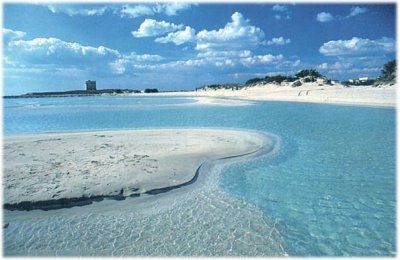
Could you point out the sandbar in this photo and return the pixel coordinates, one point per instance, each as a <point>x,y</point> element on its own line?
<point>48,167</point>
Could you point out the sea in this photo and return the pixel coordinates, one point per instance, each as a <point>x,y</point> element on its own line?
<point>329,191</point>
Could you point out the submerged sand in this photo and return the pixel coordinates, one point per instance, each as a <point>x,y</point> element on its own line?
<point>47,167</point>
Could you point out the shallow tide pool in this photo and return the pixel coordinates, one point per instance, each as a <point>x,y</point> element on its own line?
<point>329,191</point>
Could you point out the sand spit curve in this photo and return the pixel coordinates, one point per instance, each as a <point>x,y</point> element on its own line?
<point>51,171</point>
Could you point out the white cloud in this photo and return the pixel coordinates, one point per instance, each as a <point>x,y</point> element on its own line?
<point>323,66</point>
<point>354,11</point>
<point>50,54</point>
<point>335,66</point>
<point>133,59</point>
<point>288,64</point>
<point>280,8</point>
<point>172,9</point>
<point>296,63</point>
<point>324,17</point>
<point>169,9</point>
<point>127,10</point>
<point>278,41</point>
<point>237,34</point>
<point>13,34</point>
<point>9,35</point>
<point>56,51</point>
<point>261,59</point>
<point>359,72</point>
<point>223,61</point>
<point>358,46</point>
<point>136,11</point>
<point>283,10</point>
<point>151,27</point>
<point>282,17</point>
<point>179,37</point>
<point>223,54</point>
<point>133,56</point>
<point>72,10</point>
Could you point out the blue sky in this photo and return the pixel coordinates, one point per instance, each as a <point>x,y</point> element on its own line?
<point>180,46</point>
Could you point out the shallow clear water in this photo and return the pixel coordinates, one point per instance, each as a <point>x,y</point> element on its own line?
<point>331,191</point>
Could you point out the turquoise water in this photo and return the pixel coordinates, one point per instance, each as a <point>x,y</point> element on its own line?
<point>331,191</point>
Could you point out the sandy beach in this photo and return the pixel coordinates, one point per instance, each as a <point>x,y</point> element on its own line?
<point>383,96</point>
<point>46,167</point>
<point>312,92</point>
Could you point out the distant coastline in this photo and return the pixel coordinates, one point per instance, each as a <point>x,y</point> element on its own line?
<point>79,93</point>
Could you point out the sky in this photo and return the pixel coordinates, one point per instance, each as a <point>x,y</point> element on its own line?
<point>181,46</point>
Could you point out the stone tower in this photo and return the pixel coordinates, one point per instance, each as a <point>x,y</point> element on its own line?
<point>90,85</point>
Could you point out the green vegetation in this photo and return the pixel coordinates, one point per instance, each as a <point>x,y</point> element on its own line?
<point>233,86</point>
<point>297,83</point>
<point>270,79</point>
<point>309,73</point>
<point>150,90</point>
<point>388,73</point>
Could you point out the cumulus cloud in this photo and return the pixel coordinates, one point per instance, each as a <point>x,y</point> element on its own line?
<point>56,51</point>
<point>135,11</point>
<point>9,35</point>
<point>133,59</point>
<point>324,17</point>
<point>278,41</point>
<point>354,11</point>
<point>236,34</point>
<point>52,54</point>
<point>358,46</point>
<point>151,27</point>
<point>172,9</point>
<point>229,46</point>
<point>169,9</point>
<point>179,37</point>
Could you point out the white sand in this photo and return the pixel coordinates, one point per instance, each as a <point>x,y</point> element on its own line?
<point>309,92</point>
<point>71,165</point>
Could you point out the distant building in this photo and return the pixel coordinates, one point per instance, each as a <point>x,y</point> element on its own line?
<point>320,80</point>
<point>359,80</point>
<point>90,85</point>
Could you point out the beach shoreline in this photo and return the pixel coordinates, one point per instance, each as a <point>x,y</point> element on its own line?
<point>383,96</point>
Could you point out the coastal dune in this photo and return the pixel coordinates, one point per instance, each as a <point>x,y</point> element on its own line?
<point>384,95</point>
<point>54,170</point>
